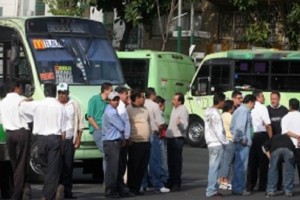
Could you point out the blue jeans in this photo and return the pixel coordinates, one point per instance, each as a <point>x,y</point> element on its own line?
<point>97,135</point>
<point>227,159</point>
<point>156,161</point>
<point>289,160</point>
<point>240,166</point>
<point>215,155</point>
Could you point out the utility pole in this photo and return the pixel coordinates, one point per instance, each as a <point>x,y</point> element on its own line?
<point>179,27</point>
<point>192,38</point>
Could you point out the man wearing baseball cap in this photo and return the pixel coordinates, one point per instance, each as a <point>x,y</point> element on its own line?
<point>74,127</point>
<point>112,135</point>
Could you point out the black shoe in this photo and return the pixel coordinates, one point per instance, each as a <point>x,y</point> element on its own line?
<point>70,196</point>
<point>175,188</point>
<point>112,195</point>
<point>127,194</point>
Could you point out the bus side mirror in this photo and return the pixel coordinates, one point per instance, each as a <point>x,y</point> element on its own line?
<point>203,85</point>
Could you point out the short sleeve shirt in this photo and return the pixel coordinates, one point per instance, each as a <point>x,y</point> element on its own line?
<point>260,117</point>
<point>96,108</point>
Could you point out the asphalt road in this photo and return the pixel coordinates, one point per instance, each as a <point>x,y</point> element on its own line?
<point>194,180</point>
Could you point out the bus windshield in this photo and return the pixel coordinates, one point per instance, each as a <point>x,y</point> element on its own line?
<point>73,53</point>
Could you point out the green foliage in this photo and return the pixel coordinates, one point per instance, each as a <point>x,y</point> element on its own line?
<point>293,26</point>
<point>66,7</point>
<point>258,33</point>
<point>244,5</point>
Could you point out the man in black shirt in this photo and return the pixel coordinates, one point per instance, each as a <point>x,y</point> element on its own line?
<point>276,112</point>
<point>280,148</point>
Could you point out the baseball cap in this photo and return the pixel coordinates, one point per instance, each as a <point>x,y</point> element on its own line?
<point>62,87</point>
<point>113,95</point>
<point>121,89</point>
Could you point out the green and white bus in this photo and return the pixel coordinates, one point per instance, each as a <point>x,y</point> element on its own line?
<point>244,70</point>
<point>39,50</point>
<point>167,72</point>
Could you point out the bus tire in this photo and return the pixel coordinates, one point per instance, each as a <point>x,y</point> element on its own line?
<point>35,168</point>
<point>195,132</point>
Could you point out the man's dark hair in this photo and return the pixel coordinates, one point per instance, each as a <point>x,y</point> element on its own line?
<point>235,93</point>
<point>276,92</point>
<point>12,85</point>
<point>150,91</point>
<point>256,93</point>
<point>218,97</point>
<point>135,93</point>
<point>180,97</point>
<point>50,90</point>
<point>105,86</point>
<point>121,89</point>
<point>294,104</point>
<point>249,98</point>
<point>228,105</point>
<point>159,99</point>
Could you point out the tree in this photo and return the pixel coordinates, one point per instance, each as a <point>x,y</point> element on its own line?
<point>262,15</point>
<point>66,7</point>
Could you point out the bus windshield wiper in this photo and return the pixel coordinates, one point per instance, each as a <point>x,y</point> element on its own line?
<point>73,52</point>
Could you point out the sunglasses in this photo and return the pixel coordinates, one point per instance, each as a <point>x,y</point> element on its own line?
<point>62,92</point>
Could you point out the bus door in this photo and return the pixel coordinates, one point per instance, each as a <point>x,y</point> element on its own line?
<point>13,61</point>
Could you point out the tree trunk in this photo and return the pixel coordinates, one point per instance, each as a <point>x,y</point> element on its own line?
<point>125,38</point>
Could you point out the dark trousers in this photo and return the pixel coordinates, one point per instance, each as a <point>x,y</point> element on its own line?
<point>67,166</point>
<point>258,163</point>
<point>122,167</point>
<point>6,179</point>
<point>138,159</point>
<point>17,142</point>
<point>174,152</point>
<point>112,155</point>
<point>49,150</point>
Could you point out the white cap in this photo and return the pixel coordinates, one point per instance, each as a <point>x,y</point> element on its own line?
<point>62,87</point>
<point>113,95</point>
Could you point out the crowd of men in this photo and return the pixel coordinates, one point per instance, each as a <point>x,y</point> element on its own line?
<point>256,141</point>
<point>129,130</point>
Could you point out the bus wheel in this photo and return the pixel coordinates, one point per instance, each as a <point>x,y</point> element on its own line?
<point>35,168</point>
<point>195,132</point>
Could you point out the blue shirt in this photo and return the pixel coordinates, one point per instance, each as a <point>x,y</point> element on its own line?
<point>241,125</point>
<point>112,124</point>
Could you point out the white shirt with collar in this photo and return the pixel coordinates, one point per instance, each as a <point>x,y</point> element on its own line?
<point>291,122</point>
<point>49,116</point>
<point>260,117</point>
<point>10,115</point>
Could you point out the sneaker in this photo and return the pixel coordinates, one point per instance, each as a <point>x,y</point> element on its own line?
<point>223,186</point>
<point>288,194</point>
<point>270,194</point>
<point>164,190</point>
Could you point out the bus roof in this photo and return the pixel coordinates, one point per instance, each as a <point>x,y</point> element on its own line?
<point>141,54</point>
<point>256,54</point>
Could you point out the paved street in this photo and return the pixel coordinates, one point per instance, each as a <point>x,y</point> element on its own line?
<point>193,188</point>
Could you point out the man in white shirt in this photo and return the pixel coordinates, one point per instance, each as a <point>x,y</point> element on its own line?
<point>258,161</point>
<point>157,122</point>
<point>74,128</point>
<point>215,139</point>
<point>290,125</point>
<point>49,117</point>
<point>17,130</point>
<point>176,132</point>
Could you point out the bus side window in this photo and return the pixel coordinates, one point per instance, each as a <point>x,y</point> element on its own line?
<point>201,82</point>
<point>220,78</point>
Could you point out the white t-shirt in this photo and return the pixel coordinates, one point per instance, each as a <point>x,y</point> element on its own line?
<point>291,122</point>
<point>260,117</point>
<point>10,115</point>
<point>49,116</point>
